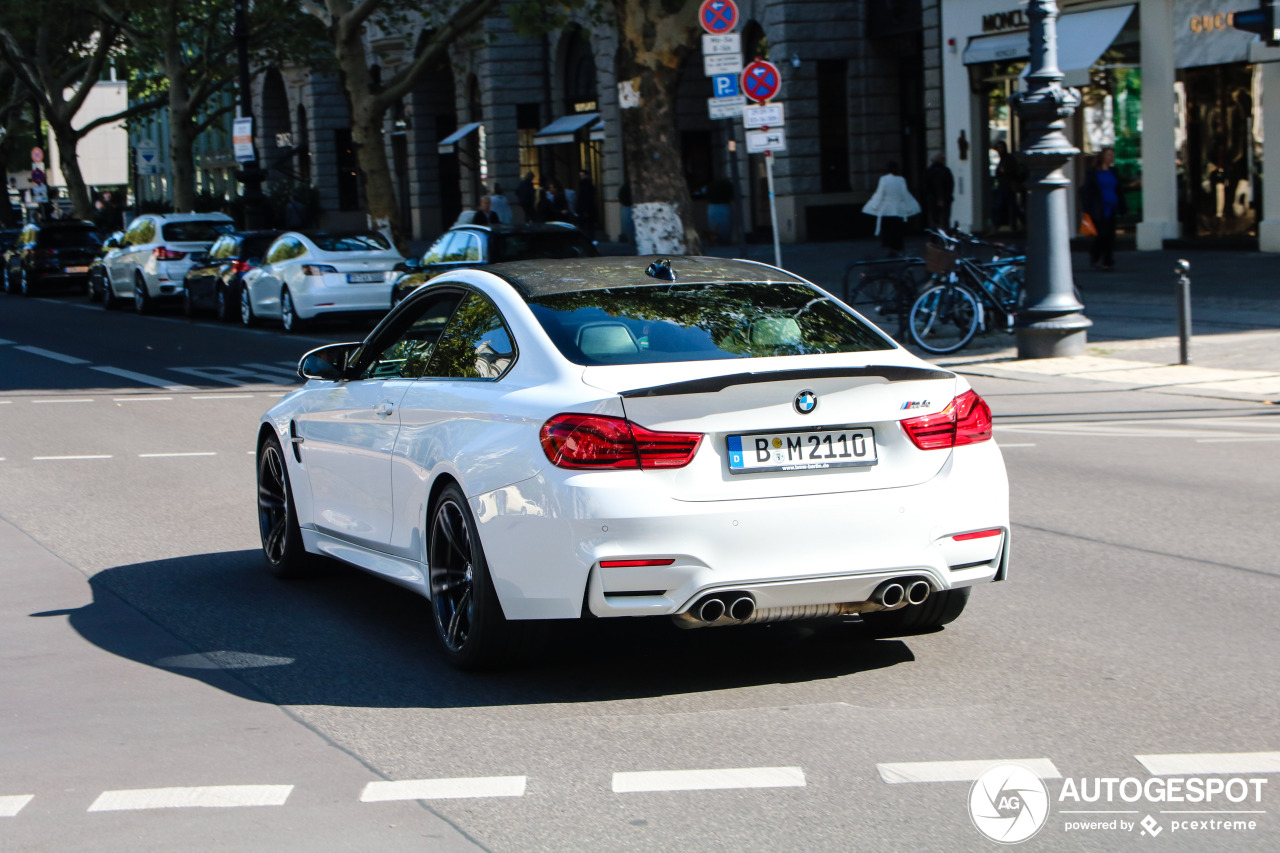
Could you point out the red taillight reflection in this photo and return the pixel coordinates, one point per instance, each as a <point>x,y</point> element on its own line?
<point>626,564</point>
<point>978,534</point>
<point>600,441</point>
<point>965,420</point>
<point>241,266</point>
<point>163,253</point>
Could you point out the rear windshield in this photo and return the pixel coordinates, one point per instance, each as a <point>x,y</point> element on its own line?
<point>697,322</point>
<point>68,238</point>
<point>195,232</point>
<point>532,247</point>
<point>351,242</point>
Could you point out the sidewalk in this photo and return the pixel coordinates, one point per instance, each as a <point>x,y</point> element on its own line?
<point>1235,308</point>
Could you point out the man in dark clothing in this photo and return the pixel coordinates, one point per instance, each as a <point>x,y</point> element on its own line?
<point>1103,199</point>
<point>525,195</point>
<point>554,206</point>
<point>939,192</point>
<point>484,215</point>
<point>586,204</point>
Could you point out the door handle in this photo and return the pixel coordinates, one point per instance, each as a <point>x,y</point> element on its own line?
<point>384,409</point>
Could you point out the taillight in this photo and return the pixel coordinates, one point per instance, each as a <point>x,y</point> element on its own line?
<point>600,441</point>
<point>317,269</point>
<point>965,420</point>
<point>163,253</point>
<point>628,564</point>
<point>240,266</point>
<point>978,534</point>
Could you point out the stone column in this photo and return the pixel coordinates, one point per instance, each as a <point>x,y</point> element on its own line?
<point>1269,228</point>
<point>1159,171</point>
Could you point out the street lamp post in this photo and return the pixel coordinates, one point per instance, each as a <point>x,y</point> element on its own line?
<point>1053,323</point>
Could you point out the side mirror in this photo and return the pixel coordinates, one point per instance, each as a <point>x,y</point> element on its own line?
<point>328,363</point>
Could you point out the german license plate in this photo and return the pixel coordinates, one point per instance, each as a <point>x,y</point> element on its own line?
<point>802,451</point>
<point>365,277</point>
<point>76,269</point>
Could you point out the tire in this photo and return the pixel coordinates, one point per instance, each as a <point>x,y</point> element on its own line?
<point>944,318</point>
<point>289,315</point>
<point>94,293</point>
<point>467,617</point>
<point>247,316</point>
<point>110,301</point>
<point>222,305</point>
<point>7,283</point>
<point>940,608</point>
<point>26,286</point>
<point>188,309</point>
<point>142,301</point>
<point>278,528</point>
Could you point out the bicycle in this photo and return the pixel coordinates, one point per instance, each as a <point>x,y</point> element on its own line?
<point>947,315</point>
<point>885,292</point>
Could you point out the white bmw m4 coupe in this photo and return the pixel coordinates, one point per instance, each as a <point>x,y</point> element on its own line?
<point>714,442</point>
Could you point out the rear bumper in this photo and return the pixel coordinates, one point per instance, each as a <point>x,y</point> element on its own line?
<point>327,295</point>
<point>544,540</point>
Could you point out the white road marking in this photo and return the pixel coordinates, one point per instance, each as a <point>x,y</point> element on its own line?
<point>3,342</point>
<point>166,384</point>
<point>708,780</point>
<point>61,458</point>
<point>5,402</point>
<point>217,796</point>
<point>444,789</point>
<point>222,397</point>
<point>1028,444</point>
<point>222,660</point>
<point>145,399</point>
<point>1210,762</point>
<point>10,806</point>
<point>56,356</point>
<point>290,373</point>
<point>66,400</point>
<point>172,455</point>
<point>959,771</point>
<point>1246,438</point>
<point>239,376</point>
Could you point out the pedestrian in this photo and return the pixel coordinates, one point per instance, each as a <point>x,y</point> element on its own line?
<point>499,204</point>
<point>1009,190</point>
<point>892,205</point>
<point>484,214</point>
<point>295,214</point>
<point>586,204</point>
<point>526,196</point>
<point>554,206</point>
<point>939,192</point>
<point>1103,200</point>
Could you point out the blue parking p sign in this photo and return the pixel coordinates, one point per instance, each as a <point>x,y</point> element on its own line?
<point>725,85</point>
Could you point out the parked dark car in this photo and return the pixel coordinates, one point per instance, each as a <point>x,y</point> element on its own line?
<point>213,281</point>
<point>97,269</point>
<point>58,251</point>
<point>466,246</point>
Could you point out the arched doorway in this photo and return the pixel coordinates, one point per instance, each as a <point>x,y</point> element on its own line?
<point>581,97</point>
<point>436,178</point>
<point>277,133</point>
<point>303,144</point>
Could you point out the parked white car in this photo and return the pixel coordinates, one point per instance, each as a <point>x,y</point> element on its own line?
<point>714,442</point>
<point>156,253</point>
<point>304,276</point>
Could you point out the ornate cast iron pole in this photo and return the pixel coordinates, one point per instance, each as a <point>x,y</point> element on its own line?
<point>1053,323</point>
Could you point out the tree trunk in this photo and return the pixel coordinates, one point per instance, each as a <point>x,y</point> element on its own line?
<point>7,219</point>
<point>653,42</point>
<point>77,192</point>
<point>367,111</point>
<point>182,139</point>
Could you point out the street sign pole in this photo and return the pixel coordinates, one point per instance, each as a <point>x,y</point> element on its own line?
<point>738,215</point>
<point>773,209</point>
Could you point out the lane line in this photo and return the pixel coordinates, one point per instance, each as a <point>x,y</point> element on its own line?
<point>708,780</point>
<point>56,356</point>
<point>145,379</point>
<point>66,400</point>
<point>172,455</point>
<point>1227,440</point>
<point>958,771</point>
<point>1189,764</point>
<point>215,796</point>
<point>3,342</point>
<point>62,458</point>
<point>145,399</point>
<point>222,397</point>
<point>11,805</point>
<point>5,402</point>
<point>444,789</point>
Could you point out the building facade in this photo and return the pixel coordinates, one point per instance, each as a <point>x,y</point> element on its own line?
<point>862,84</point>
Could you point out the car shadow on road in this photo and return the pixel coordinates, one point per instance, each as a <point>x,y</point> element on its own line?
<point>347,639</point>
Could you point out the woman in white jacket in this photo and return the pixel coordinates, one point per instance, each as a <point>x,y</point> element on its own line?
<point>892,205</point>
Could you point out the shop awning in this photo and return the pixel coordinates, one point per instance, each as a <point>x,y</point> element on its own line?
<point>448,145</point>
<point>566,129</point>
<point>1082,38</point>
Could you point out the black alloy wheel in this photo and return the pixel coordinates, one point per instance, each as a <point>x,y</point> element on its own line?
<point>469,622</point>
<point>246,308</point>
<point>277,518</point>
<point>91,287</point>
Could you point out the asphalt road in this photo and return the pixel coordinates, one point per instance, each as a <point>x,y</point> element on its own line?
<point>143,649</point>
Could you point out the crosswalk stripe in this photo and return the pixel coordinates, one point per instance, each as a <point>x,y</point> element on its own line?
<point>1189,764</point>
<point>167,384</point>
<point>11,805</point>
<point>708,780</point>
<point>444,789</point>
<point>216,796</point>
<point>959,771</point>
<point>56,356</point>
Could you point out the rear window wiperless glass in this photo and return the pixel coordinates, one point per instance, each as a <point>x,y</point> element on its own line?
<point>351,242</point>
<point>697,322</point>
<point>195,232</point>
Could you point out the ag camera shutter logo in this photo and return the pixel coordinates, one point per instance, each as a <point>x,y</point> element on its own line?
<point>1008,803</point>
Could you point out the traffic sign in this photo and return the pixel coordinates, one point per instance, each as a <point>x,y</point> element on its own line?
<point>37,177</point>
<point>727,43</point>
<point>731,107</point>
<point>722,63</point>
<point>725,85</point>
<point>242,139</point>
<point>718,16</point>
<point>765,115</point>
<point>760,80</point>
<point>40,195</point>
<point>37,154</point>
<point>760,141</point>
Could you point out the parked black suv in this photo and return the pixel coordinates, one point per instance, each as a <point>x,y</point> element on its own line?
<point>55,251</point>
<point>213,281</point>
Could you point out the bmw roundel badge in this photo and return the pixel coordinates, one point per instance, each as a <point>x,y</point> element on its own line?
<point>806,402</point>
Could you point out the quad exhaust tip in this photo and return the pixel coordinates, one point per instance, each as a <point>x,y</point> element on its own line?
<point>711,609</point>
<point>739,608</point>
<point>918,591</point>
